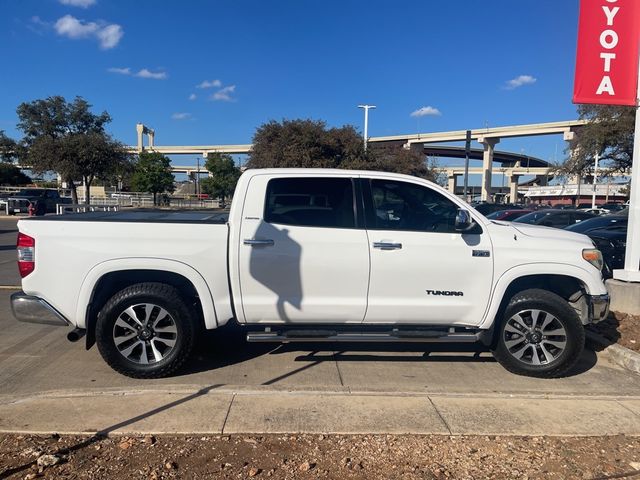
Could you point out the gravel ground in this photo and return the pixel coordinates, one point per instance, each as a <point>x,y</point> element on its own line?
<point>620,328</point>
<point>318,456</point>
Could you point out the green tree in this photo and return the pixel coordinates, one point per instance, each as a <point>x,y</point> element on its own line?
<point>224,176</point>
<point>11,175</point>
<point>67,138</point>
<point>303,143</point>
<point>609,132</point>
<point>153,174</point>
<point>9,148</point>
<point>309,143</point>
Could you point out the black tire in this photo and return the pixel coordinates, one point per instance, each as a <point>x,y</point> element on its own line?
<point>533,361</point>
<point>181,320</point>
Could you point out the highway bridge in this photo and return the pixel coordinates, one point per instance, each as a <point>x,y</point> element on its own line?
<point>517,164</point>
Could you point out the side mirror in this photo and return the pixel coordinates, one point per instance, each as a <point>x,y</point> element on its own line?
<point>464,222</point>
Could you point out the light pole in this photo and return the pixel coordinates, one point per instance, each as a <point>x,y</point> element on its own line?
<point>366,122</point>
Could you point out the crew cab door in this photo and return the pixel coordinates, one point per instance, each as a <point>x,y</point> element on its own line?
<point>302,256</point>
<point>422,270</point>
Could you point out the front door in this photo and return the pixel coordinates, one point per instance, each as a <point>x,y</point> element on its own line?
<point>302,257</point>
<point>422,270</point>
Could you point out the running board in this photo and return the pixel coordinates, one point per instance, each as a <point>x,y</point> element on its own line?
<point>399,336</point>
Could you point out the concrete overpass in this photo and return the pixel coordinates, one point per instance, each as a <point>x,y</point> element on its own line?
<point>487,137</point>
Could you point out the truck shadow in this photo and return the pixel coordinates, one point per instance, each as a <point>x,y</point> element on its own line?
<point>228,346</point>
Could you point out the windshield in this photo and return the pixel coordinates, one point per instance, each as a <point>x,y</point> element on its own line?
<point>598,222</point>
<point>532,217</point>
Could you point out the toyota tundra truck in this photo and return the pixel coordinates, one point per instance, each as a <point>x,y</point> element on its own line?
<point>312,255</point>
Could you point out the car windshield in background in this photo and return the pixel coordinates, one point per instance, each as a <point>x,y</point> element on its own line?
<point>533,217</point>
<point>605,221</point>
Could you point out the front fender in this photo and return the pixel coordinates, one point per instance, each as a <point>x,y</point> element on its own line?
<point>592,282</point>
<point>110,266</point>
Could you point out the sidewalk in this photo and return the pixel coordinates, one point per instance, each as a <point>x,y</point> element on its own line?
<point>216,410</point>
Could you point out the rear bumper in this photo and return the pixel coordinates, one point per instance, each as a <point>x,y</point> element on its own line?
<point>598,307</point>
<point>30,309</point>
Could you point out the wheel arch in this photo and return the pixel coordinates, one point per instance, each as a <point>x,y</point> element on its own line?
<point>569,282</point>
<point>107,278</point>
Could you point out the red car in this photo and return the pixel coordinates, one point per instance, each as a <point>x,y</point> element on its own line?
<point>507,215</point>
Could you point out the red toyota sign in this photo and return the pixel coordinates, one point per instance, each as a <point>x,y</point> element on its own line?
<point>607,58</point>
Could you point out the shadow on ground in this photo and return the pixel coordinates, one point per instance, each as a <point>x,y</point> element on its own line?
<point>228,346</point>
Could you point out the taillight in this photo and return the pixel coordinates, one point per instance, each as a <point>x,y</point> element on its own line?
<point>26,254</point>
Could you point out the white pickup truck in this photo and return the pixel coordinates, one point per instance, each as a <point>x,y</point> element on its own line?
<point>313,255</point>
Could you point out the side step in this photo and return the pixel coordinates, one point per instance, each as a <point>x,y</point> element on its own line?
<point>394,335</point>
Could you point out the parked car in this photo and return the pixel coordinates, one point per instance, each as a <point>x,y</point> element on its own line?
<point>43,198</point>
<point>613,207</point>
<point>612,242</point>
<point>596,211</point>
<point>554,218</point>
<point>486,208</point>
<point>602,221</point>
<point>380,257</point>
<point>508,215</point>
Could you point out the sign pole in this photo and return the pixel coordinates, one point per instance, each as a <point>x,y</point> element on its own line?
<point>631,272</point>
<point>595,180</point>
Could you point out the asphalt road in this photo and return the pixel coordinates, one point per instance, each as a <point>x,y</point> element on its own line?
<point>36,359</point>
<point>8,270</point>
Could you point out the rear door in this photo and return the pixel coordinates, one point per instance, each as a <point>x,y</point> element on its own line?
<point>422,270</point>
<point>303,257</point>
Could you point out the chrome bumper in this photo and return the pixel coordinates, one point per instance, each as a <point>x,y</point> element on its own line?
<point>598,307</point>
<point>28,308</point>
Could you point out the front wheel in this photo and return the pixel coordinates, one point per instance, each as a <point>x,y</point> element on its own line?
<point>146,330</point>
<point>540,335</point>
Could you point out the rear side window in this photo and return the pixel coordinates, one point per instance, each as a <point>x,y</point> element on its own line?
<point>310,202</point>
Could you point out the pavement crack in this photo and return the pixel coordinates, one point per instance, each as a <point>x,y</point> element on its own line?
<point>440,415</point>
<point>335,360</point>
<point>224,424</point>
<point>626,408</point>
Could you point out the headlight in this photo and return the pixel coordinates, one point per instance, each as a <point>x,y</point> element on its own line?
<point>594,257</point>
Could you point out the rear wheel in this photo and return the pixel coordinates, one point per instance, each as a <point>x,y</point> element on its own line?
<point>145,330</point>
<point>540,335</point>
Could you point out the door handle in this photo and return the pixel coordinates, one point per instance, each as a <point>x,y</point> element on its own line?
<point>253,242</point>
<point>387,245</point>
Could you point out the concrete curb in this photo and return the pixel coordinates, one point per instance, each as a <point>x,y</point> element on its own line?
<point>626,358</point>
<point>210,411</point>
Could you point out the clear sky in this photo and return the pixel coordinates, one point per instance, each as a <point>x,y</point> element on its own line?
<point>208,72</point>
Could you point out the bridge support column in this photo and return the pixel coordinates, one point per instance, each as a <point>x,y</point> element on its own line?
<point>487,165</point>
<point>453,183</point>
<point>513,188</point>
<point>150,136</point>
<point>140,130</point>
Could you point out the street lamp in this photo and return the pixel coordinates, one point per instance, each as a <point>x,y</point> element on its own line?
<point>366,122</point>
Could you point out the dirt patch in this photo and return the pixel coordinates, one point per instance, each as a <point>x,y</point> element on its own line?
<point>318,456</point>
<point>620,328</point>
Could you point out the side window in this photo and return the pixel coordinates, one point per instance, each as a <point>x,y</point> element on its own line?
<point>310,202</point>
<point>560,220</point>
<point>408,206</point>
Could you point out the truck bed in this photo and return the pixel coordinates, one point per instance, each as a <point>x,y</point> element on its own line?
<point>72,252</point>
<point>143,216</point>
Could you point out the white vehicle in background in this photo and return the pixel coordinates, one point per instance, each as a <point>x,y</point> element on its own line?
<point>313,255</point>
